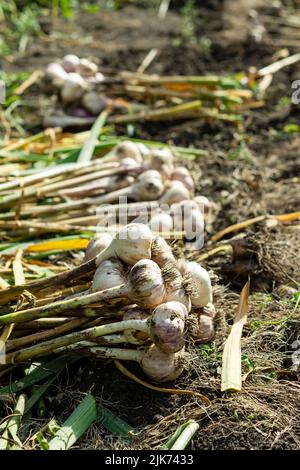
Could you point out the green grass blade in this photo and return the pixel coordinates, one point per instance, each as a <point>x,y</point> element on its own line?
<point>44,370</point>
<point>114,424</point>
<point>76,425</point>
<point>88,148</point>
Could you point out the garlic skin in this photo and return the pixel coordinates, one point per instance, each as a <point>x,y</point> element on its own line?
<point>110,273</point>
<point>161,252</point>
<point>205,331</point>
<point>135,336</point>
<point>147,284</point>
<point>148,186</point>
<point>201,285</point>
<point>175,290</point>
<point>87,68</point>
<point>167,326</point>
<point>209,310</point>
<point>162,367</point>
<point>93,103</point>
<point>131,244</point>
<point>73,88</point>
<point>180,173</point>
<point>162,161</point>
<point>161,222</point>
<point>96,245</point>
<point>128,149</point>
<point>70,62</point>
<point>55,72</point>
<point>175,193</point>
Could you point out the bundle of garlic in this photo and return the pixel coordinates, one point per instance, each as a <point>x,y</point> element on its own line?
<point>73,81</point>
<point>135,275</point>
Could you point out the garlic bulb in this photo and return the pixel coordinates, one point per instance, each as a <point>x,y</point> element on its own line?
<point>167,326</point>
<point>128,149</point>
<point>56,72</point>
<point>182,174</point>
<point>110,273</point>
<point>131,244</point>
<point>97,245</point>
<point>175,193</point>
<point>144,151</point>
<point>135,336</point>
<point>146,284</point>
<point>161,223</point>
<point>175,288</point>
<point>162,161</point>
<point>73,88</point>
<point>201,287</point>
<point>148,186</point>
<point>156,364</point>
<point>162,367</point>
<point>161,252</point>
<point>70,62</point>
<point>209,310</point>
<point>87,67</point>
<point>205,331</point>
<point>93,103</point>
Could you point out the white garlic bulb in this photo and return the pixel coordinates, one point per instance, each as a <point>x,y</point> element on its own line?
<point>148,186</point>
<point>182,174</point>
<point>73,88</point>
<point>162,367</point>
<point>147,284</point>
<point>97,245</point>
<point>131,244</point>
<point>201,285</point>
<point>175,193</point>
<point>70,62</point>
<point>110,273</point>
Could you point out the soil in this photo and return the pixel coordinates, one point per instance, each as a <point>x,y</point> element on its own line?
<point>250,171</point>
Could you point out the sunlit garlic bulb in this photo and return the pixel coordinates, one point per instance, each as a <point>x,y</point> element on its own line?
<point>176,192</point>
<point>167,326</point>
<point>161,252</point>
<point>201,289</point>
<point>96,245</point>
<point>110,273</point>
<point>147,284</point>
<point>93,103</point>
<point>203,203</point>
<point>70,62</point>
<point>87,68</point>
<point>161,223</point>
<point>131,244</point>
<point>148,186</point>
<point>162,367</point>
<point>182,174</point>
<point>55,72</point>
<point>128,149</point>
<point>175,286</point>
<point>73,88</point>
<point>205,331</point>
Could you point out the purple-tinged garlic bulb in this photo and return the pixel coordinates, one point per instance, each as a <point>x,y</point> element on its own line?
<point>73,88</point>
<point>180,173</point>
<point>110,273</point>
<point>167,326</point>
<point>70,63</point>
<point>161,252</point>
<point>176,192</point>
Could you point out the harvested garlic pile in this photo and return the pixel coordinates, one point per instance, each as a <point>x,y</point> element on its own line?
<point>159,295</point>
<point>75,82</point>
